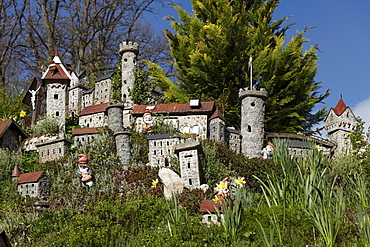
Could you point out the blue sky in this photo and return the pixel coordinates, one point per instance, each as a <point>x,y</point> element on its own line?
<point>343,33</point>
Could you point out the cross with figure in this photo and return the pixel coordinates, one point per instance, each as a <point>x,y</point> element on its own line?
<point>33,97</point>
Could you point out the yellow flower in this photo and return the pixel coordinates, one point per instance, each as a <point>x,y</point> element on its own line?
<point>358,141</point>
<point>22,114</point>
<point>319,147</point>
<point>240,181</point>
<point>345,142</point>
<point>350,133</point>
<point>154,183</point>
<point>217,199</point>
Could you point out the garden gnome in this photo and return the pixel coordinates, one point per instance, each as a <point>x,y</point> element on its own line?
<point>148,122</point>
<point>269,149</point>
<point>84,173</point>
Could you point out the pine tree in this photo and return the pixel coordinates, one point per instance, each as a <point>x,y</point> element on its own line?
<point>211,50</point>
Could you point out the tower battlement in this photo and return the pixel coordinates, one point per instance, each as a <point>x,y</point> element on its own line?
<point>128,46</point>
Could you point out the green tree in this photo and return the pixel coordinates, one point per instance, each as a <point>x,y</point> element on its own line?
<point>211,50</point>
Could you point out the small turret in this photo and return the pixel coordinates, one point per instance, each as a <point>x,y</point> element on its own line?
<point>16,173</point>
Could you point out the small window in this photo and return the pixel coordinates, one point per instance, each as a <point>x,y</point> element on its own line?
<point>125,59</point>
<point>190,181</point>
<point>249,128</point>
<point>56,96</point>
<point>57,114</point>
<point>253,104</point>
<point>188,165</point>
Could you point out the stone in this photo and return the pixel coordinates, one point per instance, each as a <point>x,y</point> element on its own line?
<point>171,181</point>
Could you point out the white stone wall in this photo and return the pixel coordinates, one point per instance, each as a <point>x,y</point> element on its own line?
<point>87,99</point>
<point>52,150</point>
<point>103,91</point>
<point>189,167</point>
<point>196,124</point>
<point>81,139</point>
<point>234,142</point>
<point>56,101</point>
<point>75,101</point>
<point>93,120</point>
<point>161,151</point>
<point>28,189</point>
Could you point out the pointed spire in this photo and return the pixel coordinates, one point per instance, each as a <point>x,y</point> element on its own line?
<point>56,54</point>
<point>340,107</point>
<point>16,173</point>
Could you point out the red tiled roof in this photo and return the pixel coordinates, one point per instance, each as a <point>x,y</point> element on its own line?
<point>56,71</point>
<point>176,108</point>
<point>209,205</point>
<point>83,131</point>
<point>4,125</point>
<point>218,114</point>
<point>340,108</point>
<point>93,109</point>
<point>29,177</point>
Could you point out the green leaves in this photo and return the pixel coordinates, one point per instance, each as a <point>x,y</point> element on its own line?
<point>211,49</point>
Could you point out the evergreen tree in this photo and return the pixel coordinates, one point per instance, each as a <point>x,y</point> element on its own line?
<point>211,50</point>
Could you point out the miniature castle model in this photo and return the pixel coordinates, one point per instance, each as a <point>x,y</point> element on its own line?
<point>68,95</point>
<point>339,123</point>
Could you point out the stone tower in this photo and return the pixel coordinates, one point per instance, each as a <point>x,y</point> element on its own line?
<point>128,51</point>
<point>188,153</point>
<point>217,127</point>
<point>78,85</point>
<point>252,121</point>
<point>56,80</point>
<point>339,123</point>
<point>121,135</point>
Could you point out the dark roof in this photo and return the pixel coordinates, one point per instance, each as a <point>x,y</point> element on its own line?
<point>299,144</point>
<point>93,109</point>
<point>163,136</point>
<point>106,76</point>
<point>79,71</point>
<point>88,91</point>
<point>209,205</point>
<point>232,130</point>
<point>300,136</point>
<point>340,107</point>
<point>11,124</point>
<point>217,114</point>
<point>84,131</point>
<point>29,177</point>
<point>175,108</point>
<point>65,140</point>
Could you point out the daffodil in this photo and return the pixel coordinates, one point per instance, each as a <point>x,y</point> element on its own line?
<point>319,147</point>
<point>154,183</point>
<point>358,141</point>
<point>350,133</point>
<point>216,199</point>
<point>240,181</point>
<point>22,114</point>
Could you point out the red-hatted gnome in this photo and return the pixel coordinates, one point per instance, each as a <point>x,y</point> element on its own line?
<point>84,172</point>
<point>146,127</point>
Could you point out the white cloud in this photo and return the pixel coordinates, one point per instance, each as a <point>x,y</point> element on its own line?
<point>362,110</point>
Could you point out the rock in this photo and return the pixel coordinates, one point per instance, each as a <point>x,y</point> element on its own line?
<point>171,181</point>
